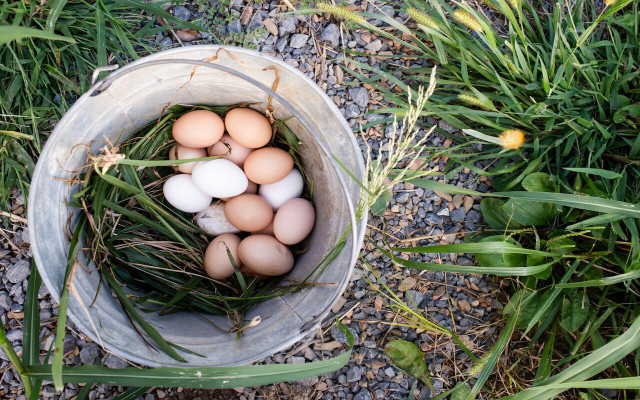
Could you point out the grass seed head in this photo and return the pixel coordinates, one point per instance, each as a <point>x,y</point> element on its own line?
<point>467,20</point>
<point>512,139</point>
<point>473,100</point>
<point>343,13</point>
<point>513,3</point>
<point>423,19</point>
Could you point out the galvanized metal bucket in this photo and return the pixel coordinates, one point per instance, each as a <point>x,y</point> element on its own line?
<point>139,93</point>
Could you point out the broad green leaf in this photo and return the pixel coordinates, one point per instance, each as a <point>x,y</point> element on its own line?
<point>408,357</point>
<point>460,392</point>
<point>632,110</point>
<point>200,377</point>
<point>380,205</point>
<point>533,260</point>
<point>524,302</point>
<point>539,182</point>
<point>575,310</point>
<point>10,33</point>
<point>495,215</point>
<point>490,245</point>
<point>528,212</point>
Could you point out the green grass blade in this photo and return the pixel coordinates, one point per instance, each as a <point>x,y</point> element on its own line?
<point>583,369</point>
<point>496,352</point>
<point>478,248</point>
<point>610,280</point>
<point>10,33</point>
<point>201,378</point>
<point>54,13</point>
<point>132,394</point>
<point>82,395</point>
<point>61,326</point>
<point>31,323</point>
<point>465,269</point>
<point>149,330</point>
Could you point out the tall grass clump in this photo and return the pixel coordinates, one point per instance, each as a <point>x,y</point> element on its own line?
<point>48,52</point>
<point>548,92</point>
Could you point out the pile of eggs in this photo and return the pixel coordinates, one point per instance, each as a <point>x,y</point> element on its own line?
<point>257,186</point>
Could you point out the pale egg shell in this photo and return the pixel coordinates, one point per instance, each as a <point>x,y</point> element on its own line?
<point>252,188</point>
<point>182,193</point>
<point>219,178</point>
<point>213,221</point>
<point>264,255</point>
<point>290,187</point>
<point>268,165</point>
<point>268,230</point>
<point>237,152</point>
<point>248,127</point>
<point>294,221</point>
<point>180,152</point>
<point>216,260</point>
<point>248,212</point>
<point>198,129</point>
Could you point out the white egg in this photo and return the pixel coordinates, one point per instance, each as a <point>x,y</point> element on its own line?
<point>181,192</point>
<point>213,221</point>
<point>219,178</point>
<point>289,187</point>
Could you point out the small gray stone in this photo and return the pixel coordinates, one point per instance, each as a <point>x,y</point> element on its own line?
<point>166,41</point>
<point>18,272</point>
<point>390,372</point>
<point>337,334</point>
<point>458,214</point>
<point>354,374</point>
<point>5,301</point>
<point>473,216</point>
<point>402,198</point>
<point>48,391</point>
<point>374,46</point>
<point>331,34</point>
<point>281,44</point>
<point>14,335</point>
<point>414,297</point>
<point>359,95</point>
<point>182,13</point>
<point>432,219</point>
<point>234,26</point>
<point>89,353</point>
<point>115,362</point>
<point>298,40</point>
<point>363,394</point>
<point>352,111</point>
<point>287,25</point>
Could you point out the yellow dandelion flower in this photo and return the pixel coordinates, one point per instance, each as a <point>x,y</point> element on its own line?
<point>466,19</point>
<point>512,139</point>
<point>343,13</point>
<point>423,19</point>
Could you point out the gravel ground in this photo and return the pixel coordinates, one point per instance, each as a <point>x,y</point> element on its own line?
<point>464,303</point>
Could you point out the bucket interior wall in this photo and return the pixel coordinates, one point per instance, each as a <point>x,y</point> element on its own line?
<point>139,97</point>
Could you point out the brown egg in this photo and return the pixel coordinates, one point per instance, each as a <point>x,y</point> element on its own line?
<point>198,129</point>
<point>264,255</point>
<point>268,230</point>
<point>248,212</point>
<point>245,270</point>
<point>180,152</point>
<point>294,221</point>
<point>268,165</point>
<point>248,127</point>
<point>216,260</point>
<point>238,153</point>
<point>252,188</point>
